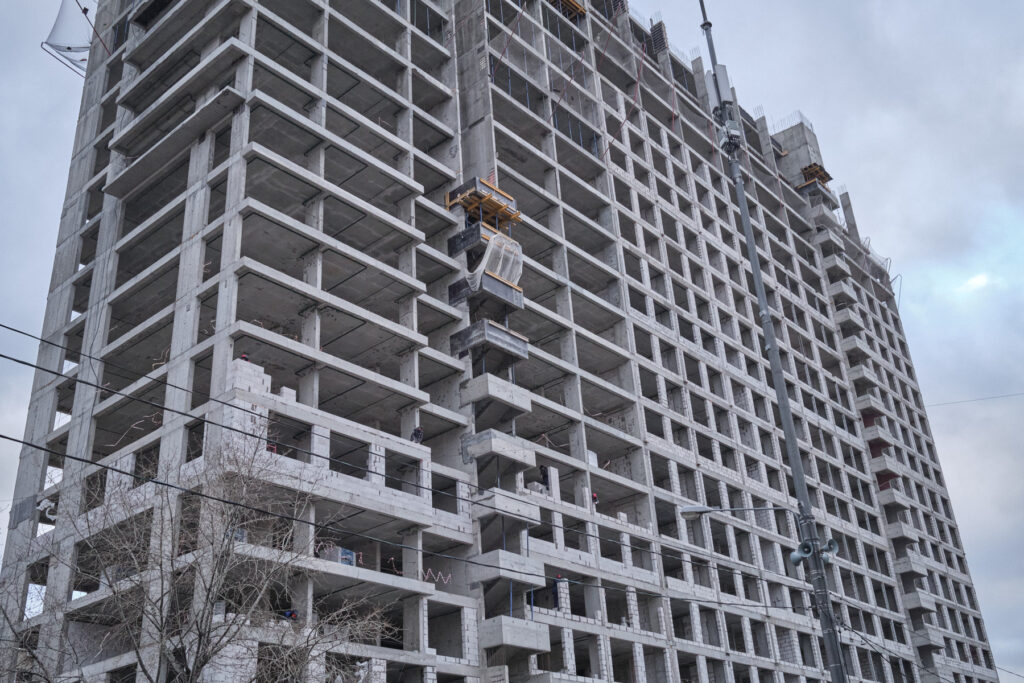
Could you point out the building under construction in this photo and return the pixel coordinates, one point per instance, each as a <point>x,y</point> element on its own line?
<point>473,270</point>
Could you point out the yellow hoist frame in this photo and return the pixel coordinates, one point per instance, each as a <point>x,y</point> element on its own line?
<point>570,8</point>
<point>483,201</point>
<point>814,172</point>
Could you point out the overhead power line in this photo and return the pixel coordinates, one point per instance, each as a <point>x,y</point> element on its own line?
<point>333,527</point>
<point>298,449</point>
<point>975,400</point>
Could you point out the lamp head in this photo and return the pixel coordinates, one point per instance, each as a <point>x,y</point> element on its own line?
<point>692,512</point>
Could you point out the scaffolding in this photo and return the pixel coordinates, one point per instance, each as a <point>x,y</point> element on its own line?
<point>487,204</point>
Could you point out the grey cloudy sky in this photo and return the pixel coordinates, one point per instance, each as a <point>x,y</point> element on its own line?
<point>918,108</point>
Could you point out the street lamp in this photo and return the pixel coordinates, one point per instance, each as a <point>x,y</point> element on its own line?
<point>828,549</point>
<point>692,512</point>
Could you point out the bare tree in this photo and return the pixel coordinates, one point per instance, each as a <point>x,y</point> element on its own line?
<point>209,574</point>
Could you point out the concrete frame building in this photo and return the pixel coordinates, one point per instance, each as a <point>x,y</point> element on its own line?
<point>296,206</point>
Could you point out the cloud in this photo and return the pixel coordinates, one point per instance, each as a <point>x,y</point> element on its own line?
<point>976,282</point>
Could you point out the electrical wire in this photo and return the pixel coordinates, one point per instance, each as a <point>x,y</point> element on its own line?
<point>675,555</point>
<point>319,526</point>
<point>892,653</point>
<point>242,432</point>
<point>975,400</point>
<point>85,13</point>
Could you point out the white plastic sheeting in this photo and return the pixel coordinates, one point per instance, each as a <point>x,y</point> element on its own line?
<point>72,34</point>
<point>503,258</point>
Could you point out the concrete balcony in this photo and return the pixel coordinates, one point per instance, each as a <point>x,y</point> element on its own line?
<point>495,444</point>
<point>869,405</point>
<point>842,292</point>
<point>849,319</point>
<point>500,502</point>
<point>864,379</point>
<point>515,635</point>
<point>836,267</point>
<point>912,564</point>
<point>502,564</point>
<point>878,436</point>
<point>204,116</point>
<point>473,240</point>
<point>901,530</point>
<point>919,601</point>
<point>884,464</point>
<point>490,299</point>
<point>493,346</point>
<point>827,240</point>
<point>495,400</point>
<point>894,498</point>
<point>855,348</point>
<point>927,638</point>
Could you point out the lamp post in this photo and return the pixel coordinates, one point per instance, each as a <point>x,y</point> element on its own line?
<point>730,141</point>
<point>693,512</point>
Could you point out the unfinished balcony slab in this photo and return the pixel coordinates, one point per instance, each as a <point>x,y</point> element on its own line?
<point>176,103</point>
<point>869,405</point>
<point>502,564</point>
<point>492,297</point>
<point>919,601</point>
<point>472,240</point>
<point>842,292</point>
<point>928,637</point>
<point>180,26</point>
<point>516,636</point>
<point>884,464</point>
<point>893,498</point>
<point>911,564</point>
<point>849,320</point>
<point>836,267</point>
<point>494,444</point>
<point>357,582</point>
<point>878,436</point>
<point>864,378</point>
<point>434,314</point>
<point>204,117</point>
<point>821,216</point>
<point>855,348</point>
<point>495,400</point>
<point>493,501</point>
<point>286,187</point>
<point>901,531</point>
<point>371,177</point>
<point>492,346</point>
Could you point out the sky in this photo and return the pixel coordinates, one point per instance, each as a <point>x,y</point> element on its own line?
<point>919,110</point>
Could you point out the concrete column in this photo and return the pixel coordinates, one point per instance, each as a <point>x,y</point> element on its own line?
<point>375,465</point>
<point>568,651</point>
<point>639,663</point>
<point>414,622</point>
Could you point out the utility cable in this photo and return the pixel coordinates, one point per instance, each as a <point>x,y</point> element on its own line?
<point>584,534</point>
<point>508,39</point>
<point>975,400</point>
<point>319,526</point>
<point>892,653</point>
<point>85,13</point>
<point>304,451</point>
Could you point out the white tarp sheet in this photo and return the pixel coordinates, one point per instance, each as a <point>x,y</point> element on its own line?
<point>503,258</point>
<point>72,34</point>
